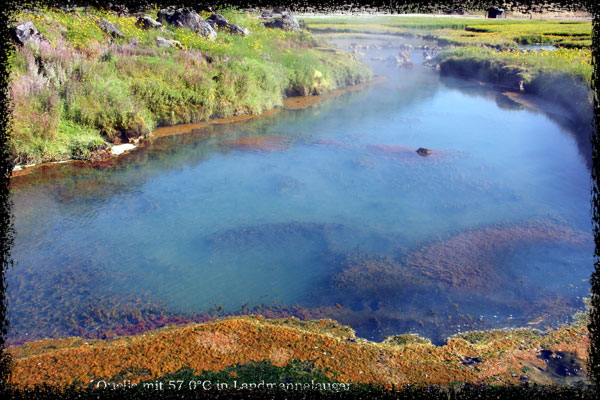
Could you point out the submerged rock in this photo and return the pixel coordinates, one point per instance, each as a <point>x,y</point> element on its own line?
<point>109,28</point>
<point>25,32</point>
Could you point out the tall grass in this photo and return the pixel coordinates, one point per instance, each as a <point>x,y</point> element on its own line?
<point>85,88</point>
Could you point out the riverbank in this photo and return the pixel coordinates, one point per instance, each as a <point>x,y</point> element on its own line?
<point>248,348</point>
<point>487,50</point>
<point>78,88</point>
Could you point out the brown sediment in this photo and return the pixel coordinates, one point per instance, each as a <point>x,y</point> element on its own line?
<point>467,260</point>
<point>496,357</point>
<point>186,128</point>
<point>297,103</point>
<point>267,143</point>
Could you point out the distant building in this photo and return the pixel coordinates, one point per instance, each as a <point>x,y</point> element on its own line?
<point>495,12</point>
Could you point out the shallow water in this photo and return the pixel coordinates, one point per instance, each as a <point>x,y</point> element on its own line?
<point>327,212</point>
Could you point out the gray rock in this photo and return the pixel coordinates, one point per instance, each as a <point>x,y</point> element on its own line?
<point>238,30</point>
<point>422,151</point>
<point>187,18</point>
<point>219,21</point>
<point>25,32</point>
<point>145,22</point>
<point>109,28</point>
<point>167,43</point>
<point>287,22</point>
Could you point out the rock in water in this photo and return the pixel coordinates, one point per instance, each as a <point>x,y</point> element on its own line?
<point>25,32</point>
<point>187,18</point>
<point>109,28</point>
<point>287,22</point>
<point>145,22</point>
<point>422,151</point>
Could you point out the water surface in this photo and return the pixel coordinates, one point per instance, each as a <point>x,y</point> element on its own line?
<point>326,211</point>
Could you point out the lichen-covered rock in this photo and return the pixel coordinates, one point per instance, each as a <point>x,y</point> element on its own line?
<point>145,22</point>
<point>26,31</point>
<point>167,43</point>
<point>109,28</point>
<point>287,22</point>
<point>187,18</point>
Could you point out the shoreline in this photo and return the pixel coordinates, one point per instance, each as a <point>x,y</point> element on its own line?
<point>289,103</point>
<point>498,356</point>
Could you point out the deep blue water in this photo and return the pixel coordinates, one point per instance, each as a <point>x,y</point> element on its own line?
<point>196,226</point>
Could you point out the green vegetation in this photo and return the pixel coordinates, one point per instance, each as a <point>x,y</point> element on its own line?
<point>573,62</point>
<point>84,88</point>
<point>487,49</point>
<point>497,33</point>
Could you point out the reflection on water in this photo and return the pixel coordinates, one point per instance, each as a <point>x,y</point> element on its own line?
<point>325,211</point>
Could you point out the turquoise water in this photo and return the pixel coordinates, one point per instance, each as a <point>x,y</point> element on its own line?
<point>334,222</point>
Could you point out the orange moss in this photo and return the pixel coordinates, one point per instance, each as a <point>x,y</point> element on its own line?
<point>333,348</point>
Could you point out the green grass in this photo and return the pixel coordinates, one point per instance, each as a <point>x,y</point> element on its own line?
<point>491,42</point>
<point>572,62</point>
<point>84,88</point>
<point>466,31</point>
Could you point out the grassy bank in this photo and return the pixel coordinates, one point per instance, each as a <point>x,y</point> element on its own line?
<point>487,50</point>
<point>498,33</point>
<point>84,89</point>
<point>289,350</point>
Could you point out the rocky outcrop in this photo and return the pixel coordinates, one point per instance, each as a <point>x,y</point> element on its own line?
<point>187,18</point>
<point>145,22</point>
<point>25,32</point>
<point>287,22</point>
<point>109,28</point>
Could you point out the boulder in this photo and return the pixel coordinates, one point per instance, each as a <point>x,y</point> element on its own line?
<point>167,43</point>
<point>25,32</point>
<point>238,30</point>
<point>422,151</point>
<point>145,22</point>
<point>109,28</point>
<point>187,18</point>
<point>203,7</point>
<point>287,22</point>
<point>219,21</point>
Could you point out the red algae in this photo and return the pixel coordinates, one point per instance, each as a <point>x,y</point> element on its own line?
<point>467,259</point>
<point>267,143</point>
<point>330,142</point>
